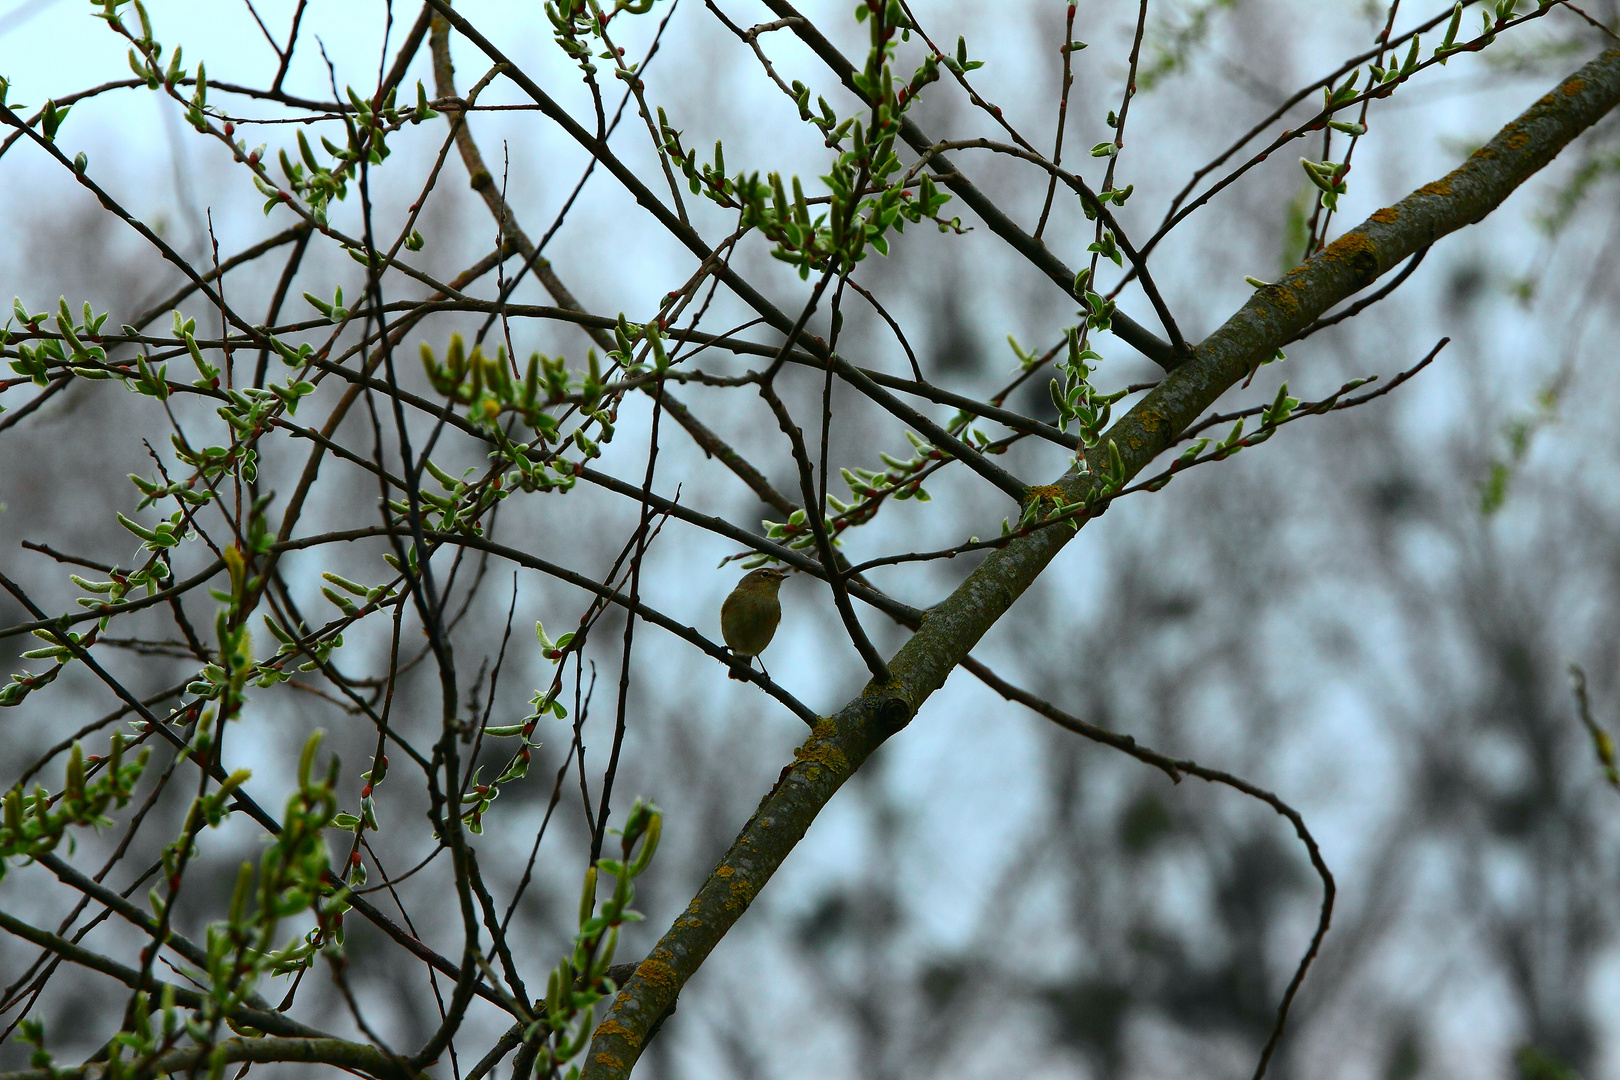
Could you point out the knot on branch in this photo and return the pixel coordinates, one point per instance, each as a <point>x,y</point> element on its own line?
<point>890,712</point>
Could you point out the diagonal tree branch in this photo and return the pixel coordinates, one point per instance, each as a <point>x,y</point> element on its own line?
<point>444,74</point>
<point>841,743</point>
<point>751,296</point>
<point>340,1053</point>
<point>1125,328</point>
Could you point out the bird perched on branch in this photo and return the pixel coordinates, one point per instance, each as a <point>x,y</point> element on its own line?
<point>749,616</point>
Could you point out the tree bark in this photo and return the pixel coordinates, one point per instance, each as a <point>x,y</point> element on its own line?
<point>839,744</point>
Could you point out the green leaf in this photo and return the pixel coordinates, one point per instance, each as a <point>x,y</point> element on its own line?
<point>51,119</point>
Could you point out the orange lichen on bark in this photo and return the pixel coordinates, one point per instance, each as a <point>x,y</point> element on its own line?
<point>1572,87</point>
<point>823,753</point>
<point>608,1061</point>
<point>1388,215</point>
<point>1046,491</point>
<point>1518,140</point>
<point>1356,250</point>
<point>1441,186</point>
<point>656,973</point>
<point>1352,247</point>
<point>742,893</point>
<point>613,1027</point>
<point>1284,294</point>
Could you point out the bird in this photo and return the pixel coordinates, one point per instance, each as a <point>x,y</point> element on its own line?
<point>749,616</point>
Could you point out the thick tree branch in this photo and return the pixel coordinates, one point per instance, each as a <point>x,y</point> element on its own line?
<point>272,1022</point>
<point>842,742</point>
<point>349,1056</point>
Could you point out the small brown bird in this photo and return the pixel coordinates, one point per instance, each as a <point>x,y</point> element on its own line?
<point>750,614</point>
